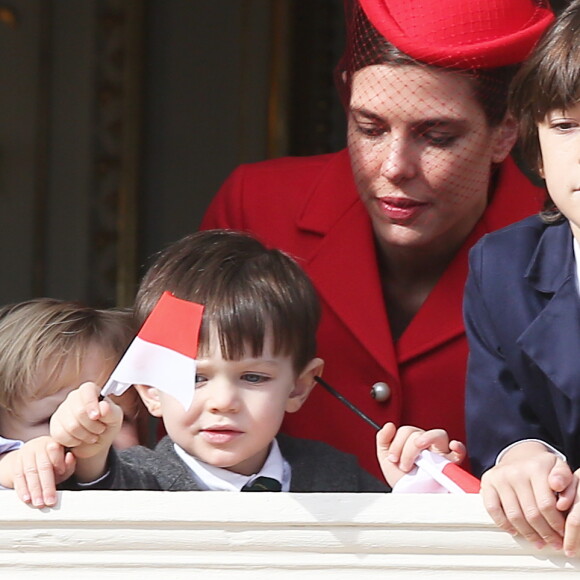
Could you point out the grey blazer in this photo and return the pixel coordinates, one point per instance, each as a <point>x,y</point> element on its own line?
<point>316,467</point>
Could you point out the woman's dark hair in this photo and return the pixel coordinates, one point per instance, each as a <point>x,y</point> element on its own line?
<point>549,80</point>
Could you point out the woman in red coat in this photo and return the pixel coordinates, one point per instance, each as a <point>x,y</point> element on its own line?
<point>383,228</point>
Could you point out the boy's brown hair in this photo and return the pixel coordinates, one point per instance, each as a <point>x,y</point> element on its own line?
<point>38,335</point>
<point>549,80</point>
<point>247,290</point>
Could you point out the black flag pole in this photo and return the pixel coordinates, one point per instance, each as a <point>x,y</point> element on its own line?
<point>336,394</point>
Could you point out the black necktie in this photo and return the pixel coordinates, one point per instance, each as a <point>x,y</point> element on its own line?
<point>263,484</point>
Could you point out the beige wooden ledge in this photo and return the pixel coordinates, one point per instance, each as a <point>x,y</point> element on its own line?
<point>93,534</point>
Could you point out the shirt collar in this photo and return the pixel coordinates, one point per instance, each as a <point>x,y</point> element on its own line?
<point>212,478</point>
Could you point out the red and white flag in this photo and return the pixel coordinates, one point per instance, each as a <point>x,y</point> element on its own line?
<point>433,473</point>
<point>163,353</point>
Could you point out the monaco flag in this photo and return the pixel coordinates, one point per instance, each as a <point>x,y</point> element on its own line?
<point>435,474</point>
<point>163,353</point>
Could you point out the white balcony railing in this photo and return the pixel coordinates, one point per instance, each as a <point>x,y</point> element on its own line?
<point>140,535</point>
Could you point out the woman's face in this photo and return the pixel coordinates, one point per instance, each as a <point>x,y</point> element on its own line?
<point>421,152</point>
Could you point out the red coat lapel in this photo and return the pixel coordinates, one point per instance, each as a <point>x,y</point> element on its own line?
<point>343,265</point>
<point>345,272</point>
<point>440,319</point>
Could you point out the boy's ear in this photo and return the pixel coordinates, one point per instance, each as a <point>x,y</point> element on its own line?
<point>150,397</point>
<point>505,139</point>
<point>304,384</point>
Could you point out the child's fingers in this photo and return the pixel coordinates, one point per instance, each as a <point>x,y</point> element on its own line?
<point>567,497</point>
<point>410,441</point>
<point>390,469</point>
<point>519,504</point>
<point>493,505</point>
<point>70,463</point>
<point>110,412</point>
<point>19,480</point>
<point>436,440</point>
<point>537,518</point>
<point>560,476</point>
<point>507,512</point>
<point>399,440</point>
<point>572,530</point>
<point>458,451</point>
<point>549,522</point>
<point>80,413</point>
<point>34,479</point>
<point>70,432</point>
<point>55,453</point>
<point>46,480</point>
<point>409,450</point>
<point>88,394</point>
<point>77,421</point>
<point>385,438</point>
<point>63,462</point>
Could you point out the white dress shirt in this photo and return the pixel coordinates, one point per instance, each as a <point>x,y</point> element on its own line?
<point>212,478</point>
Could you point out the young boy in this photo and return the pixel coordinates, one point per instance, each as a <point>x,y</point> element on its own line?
<point>47,348</point>
<point>256,361</point>
<point>522,311</point>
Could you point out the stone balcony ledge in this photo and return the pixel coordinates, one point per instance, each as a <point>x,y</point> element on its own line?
<point>136,534</point>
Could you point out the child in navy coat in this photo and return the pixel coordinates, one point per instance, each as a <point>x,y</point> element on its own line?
<point>522,313</point>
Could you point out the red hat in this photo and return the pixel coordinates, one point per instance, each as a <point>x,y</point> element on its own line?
<point>461,33</point>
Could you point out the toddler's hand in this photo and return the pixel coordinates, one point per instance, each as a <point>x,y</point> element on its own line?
<point>35,469</point>
<point>397,449</point>
<point>85,424</point>
<point>527,492</point>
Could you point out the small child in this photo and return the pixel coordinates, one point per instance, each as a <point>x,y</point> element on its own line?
<point>256,361</point>
<point>49,347</point>
<point>522,311</point>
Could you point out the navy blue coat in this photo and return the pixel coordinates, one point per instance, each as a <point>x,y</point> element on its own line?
<point>522,317</point>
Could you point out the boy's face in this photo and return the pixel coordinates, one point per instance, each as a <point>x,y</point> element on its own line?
<point>237,409</point>
<point>559,136</point>
<point>32,420</point>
